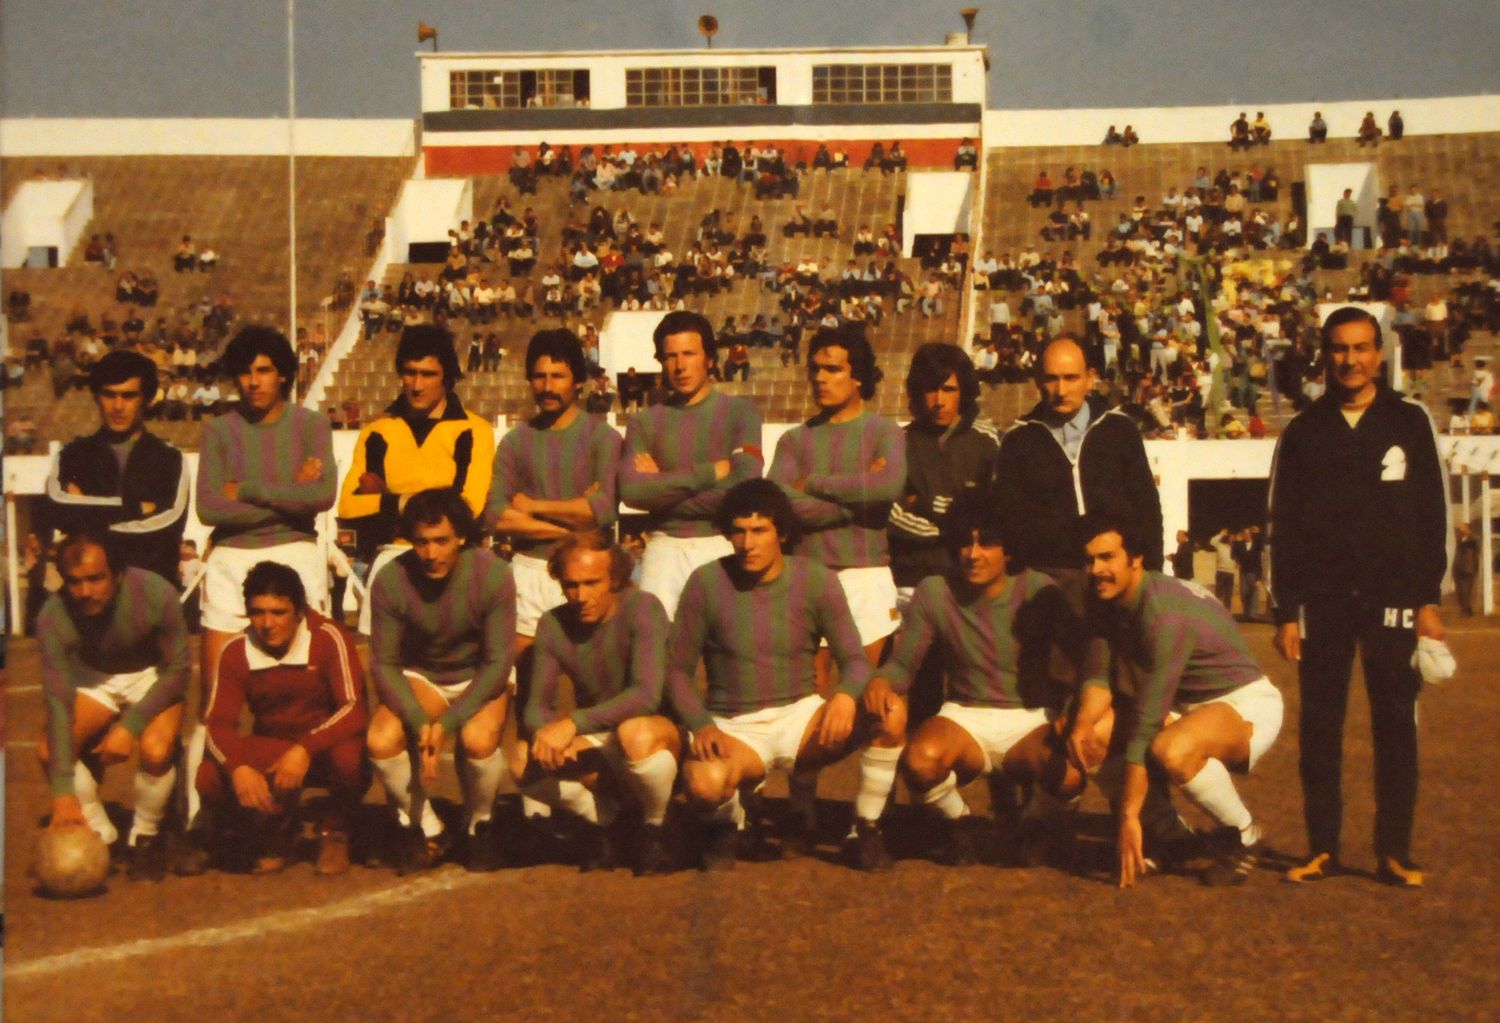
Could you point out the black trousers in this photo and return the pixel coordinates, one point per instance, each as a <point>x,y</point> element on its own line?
<point>1385,639</point>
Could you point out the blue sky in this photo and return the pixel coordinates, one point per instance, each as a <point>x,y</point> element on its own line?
<point>142,58</point>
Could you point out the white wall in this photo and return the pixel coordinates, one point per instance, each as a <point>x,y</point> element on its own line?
<point>937,202</point>
<point>1325,187</point>
<point>46,214</point>
<point>189,136</point>
<point>426,211</point>
<point>1006,128</point>
<point>625,341</point>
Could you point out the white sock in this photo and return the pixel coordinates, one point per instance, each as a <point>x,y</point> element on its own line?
<point>1212,791</point>
<point>731,811</point>
<point>405,790</point>
<point>481,782</point>
<point>945,798</point>
<point>877,774</point>
<point>650,781</point>
<point>152,794</point>
<point>533,807</point>
<point>565,794</point>
<point>87,791</point>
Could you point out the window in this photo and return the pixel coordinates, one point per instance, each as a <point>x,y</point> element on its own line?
<point>699,86</point>
<point>491,88</point>
<point>883,83</point>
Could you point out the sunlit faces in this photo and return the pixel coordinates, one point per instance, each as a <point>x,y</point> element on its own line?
<point>122,406</point>
<point>940,407</point>
<point>1353,359</point>
<point>981,559</point>
<point>1114,573</point>
<point>88,583</point>
<point>757,544</point>
<point>422,384</point>
<point>829,373</point>
<point>437,546</point>
<point>1066,378</point>
<point>260,385</point>
<point>684,365</point>
<point>552,385</point>
<point>587,585</point>
<point>273,622</point>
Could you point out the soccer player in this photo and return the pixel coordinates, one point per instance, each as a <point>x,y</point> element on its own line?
<point>993,633</point>
<point>755,618</point>
<point>1186,693</point>
<point>1359,547</point>
<point>265,471</point>
<point>444,618</point>
<point>842,470</point>
<point>425,439</point>
<point>682,456</point>
<point>122,479</point>
<point>299,676</point>
<point>610,639</point>
<point>114,668</point>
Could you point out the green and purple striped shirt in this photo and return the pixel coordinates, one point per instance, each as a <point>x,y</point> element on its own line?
<point>1171,640</point>
<point>996,652</point>
<point>449,630</point>
<point>618,667</point>
<point>843,507</point>
<point>686,441</point>
<point>757,640</point>
<point>273,508</point>
<point>142,628</point>
<point>557,465</point>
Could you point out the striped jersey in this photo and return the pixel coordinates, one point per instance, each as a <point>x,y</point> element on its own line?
<point>264,458</point>
<point>618,667</point>
<point>685,441</point>
<point>1172,640</point>
<point>143,628</point>
<point>843,506</point>
<point>451,630</point>
<point>757,639</point>
<point>557,465</point>
<point>996,651</point>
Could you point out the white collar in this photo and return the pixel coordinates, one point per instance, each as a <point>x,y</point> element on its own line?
<point>299,653</point>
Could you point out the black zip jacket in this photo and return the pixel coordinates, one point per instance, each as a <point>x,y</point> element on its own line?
<point>940,465</point>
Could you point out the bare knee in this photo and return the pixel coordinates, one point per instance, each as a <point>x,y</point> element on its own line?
<point>639,738</point>
<point>890,727</point>
<point>924,763</point>
<point>387,738</point>
<point>1177,755</point>
<point>158,752</point>
<point>707,782</point>
<point>479,740</point>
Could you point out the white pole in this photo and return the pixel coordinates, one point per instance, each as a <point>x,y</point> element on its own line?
<point>291,173</point>
<point>1486,547</point>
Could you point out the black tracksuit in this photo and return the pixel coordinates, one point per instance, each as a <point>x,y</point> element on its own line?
<point>1359,535</point>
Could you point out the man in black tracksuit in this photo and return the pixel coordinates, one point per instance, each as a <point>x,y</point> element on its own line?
<point>1358,540</point>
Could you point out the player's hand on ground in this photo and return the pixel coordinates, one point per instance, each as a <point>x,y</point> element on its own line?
<point>370,483</point>
<point>290,768</point>
<point>67,812</point>
<point>1130,847</point>
<point>879,698</point>
<point>251,790</point>
<point>430,742</point>
<point>116,746</point>
<point>552,745</point>
<point>1428,622</point>
<point>645,463</point>
<point>311,470</point>
<point>838,720</point>
<point>1288,641</point>
<point>709,744</point>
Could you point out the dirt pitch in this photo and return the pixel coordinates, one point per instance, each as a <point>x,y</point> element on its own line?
<point>806,939</point>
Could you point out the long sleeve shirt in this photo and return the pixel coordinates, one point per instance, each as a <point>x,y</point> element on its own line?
<point>843,505</point>
<point>940,465</point>
<point>456,629</point>
<point>757,640</point>
<point>142,628</point>
<point>995,651</point>
<point>557,465</point>
<point>1171,639</point>
<point>618,667</point>
<point>264,459</point>
<point>313,695</point>
<point>685,441</point>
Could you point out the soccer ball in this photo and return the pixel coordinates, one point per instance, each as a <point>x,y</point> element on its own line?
<point>71,863</point>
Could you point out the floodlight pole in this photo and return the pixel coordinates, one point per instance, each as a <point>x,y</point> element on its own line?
<point>291,176</point>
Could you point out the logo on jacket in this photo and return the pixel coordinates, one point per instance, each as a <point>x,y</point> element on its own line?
<point>1393,465</point>
<point>1399,618</point>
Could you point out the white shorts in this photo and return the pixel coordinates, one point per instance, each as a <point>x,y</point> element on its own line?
<point>775,733</point>
<point>995,729</point>
<point>669,560</point>
<point>224,580</point>
<point>449,691</point>
<point>871,593</point>
<point>536,592</point>
<point>117,692</point>
<point>1259,703</point>
<point>383,557</point>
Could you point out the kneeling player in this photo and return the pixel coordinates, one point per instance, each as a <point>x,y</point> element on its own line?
<point>1190,696</point>
<point>299,675</point>
<point>444,618</point>
<point>755,618</point>
<point>610,639</point>
<point>114,653</point>
<point>994,633</point>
